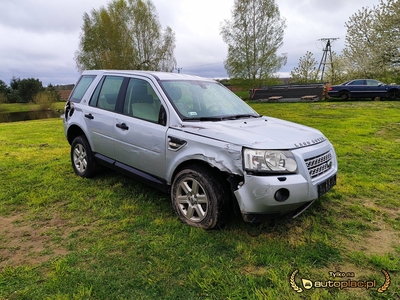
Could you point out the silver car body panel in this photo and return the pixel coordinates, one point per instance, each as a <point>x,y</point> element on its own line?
<point>145,146</point>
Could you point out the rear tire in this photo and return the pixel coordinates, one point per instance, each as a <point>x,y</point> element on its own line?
<point>199,198</point>
<point>344,95</point>
<point>82,158</point>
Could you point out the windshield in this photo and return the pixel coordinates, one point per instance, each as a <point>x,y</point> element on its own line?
<point>206,101</point>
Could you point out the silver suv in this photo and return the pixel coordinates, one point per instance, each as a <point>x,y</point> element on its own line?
<point>192,137</point>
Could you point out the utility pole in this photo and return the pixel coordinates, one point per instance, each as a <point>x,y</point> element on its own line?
<point>327,49</point>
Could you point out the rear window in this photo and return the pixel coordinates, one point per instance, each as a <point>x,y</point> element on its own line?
<point>81,88</point>
<point>357,82</point>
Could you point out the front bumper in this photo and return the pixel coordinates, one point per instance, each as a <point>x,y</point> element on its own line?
<point>260,196</point>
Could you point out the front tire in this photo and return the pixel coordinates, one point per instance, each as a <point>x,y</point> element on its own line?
<point>199,198</point>
<point>394,94</point>
<point>82,158</point>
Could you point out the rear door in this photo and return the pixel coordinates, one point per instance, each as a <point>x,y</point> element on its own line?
<point>140,139</point>
<point>100,115</point>
<point>358,88</point>
<point>375,88</point>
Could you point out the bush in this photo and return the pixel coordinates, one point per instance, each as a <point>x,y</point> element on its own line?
<point>14,97</point>
<point>29,88</point>
<point>55,93</point>
<point>45,99</point>
<point>3,98</point>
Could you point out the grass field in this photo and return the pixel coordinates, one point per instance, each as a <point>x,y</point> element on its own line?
<point>64,237</point>
<point>24,107</point>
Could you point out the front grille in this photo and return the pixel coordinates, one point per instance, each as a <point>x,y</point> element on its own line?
<point>320,164</point>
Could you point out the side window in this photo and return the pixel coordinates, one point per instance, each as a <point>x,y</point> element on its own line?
<point>373,82</point>
<point>106,93</point>
<point>358,82</point>
<point>141,101</point>
<point>81,88</point>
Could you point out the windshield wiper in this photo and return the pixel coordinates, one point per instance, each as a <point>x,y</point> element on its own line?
<point>222,118</point>
<point>243,116</point>
<point>213,119</point>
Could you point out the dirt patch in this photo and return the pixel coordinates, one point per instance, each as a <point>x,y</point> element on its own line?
<point>386,238</point>
<point>381,241</point>
<point>26,242</point>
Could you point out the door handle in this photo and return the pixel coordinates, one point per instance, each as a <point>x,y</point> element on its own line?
<point>122,126</point>
<point>89,116</point>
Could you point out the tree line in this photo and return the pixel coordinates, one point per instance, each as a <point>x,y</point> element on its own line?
<point>126,34</point>
<point>29,90</point>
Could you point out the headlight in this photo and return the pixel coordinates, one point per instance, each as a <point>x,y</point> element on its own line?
<point>269,161</point>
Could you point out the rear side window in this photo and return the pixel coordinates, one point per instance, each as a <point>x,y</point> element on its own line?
<point>106,93</point>
<point>81,88</point>
<point>373,82</point>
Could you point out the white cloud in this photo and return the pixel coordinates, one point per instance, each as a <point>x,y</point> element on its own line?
<point>308,21</point>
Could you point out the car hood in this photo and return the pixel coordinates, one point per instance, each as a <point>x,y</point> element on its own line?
<point>258,133</point>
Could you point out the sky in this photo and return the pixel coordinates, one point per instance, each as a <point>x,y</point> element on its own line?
<point>39,38</point>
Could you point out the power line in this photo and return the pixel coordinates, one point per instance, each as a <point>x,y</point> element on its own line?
<point>296,46</point>
<point>198,66</point>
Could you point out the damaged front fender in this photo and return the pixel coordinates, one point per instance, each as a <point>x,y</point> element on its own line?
<point>224,156</point>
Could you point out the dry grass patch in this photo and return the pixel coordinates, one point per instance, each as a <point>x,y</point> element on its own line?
<point>24,242</point>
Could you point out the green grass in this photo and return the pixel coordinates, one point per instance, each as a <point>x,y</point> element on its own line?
<point>64,237</point>
<point>18,107</point>
<point>243,94</point>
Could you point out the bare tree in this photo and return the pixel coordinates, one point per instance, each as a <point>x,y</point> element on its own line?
<point>125,35</point>
<point>254,36</point>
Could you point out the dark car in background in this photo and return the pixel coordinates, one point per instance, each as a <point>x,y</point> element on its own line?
<point>364,88</point>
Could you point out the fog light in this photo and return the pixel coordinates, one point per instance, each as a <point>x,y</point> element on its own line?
<point>281,195</point>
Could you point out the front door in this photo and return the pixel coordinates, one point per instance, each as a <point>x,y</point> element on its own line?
<point>140,141</point>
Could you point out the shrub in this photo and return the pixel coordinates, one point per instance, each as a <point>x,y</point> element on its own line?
<point>3,98</point>
<point>14,97</point>
<point>45,99</point>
